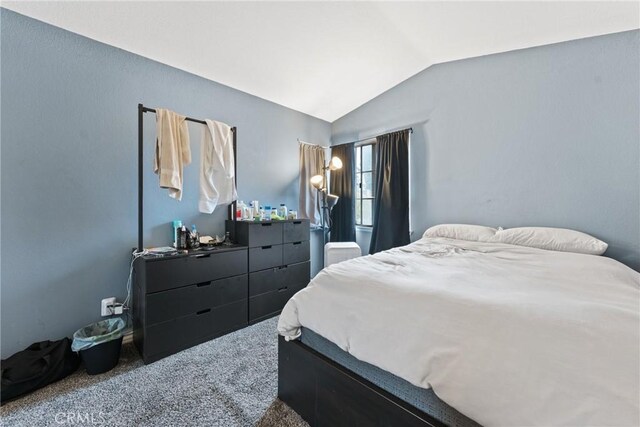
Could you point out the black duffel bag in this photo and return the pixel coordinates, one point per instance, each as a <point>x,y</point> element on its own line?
<point>36,366</point>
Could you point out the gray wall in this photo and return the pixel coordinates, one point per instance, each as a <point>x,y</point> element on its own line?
<point>547,136</point>
<point>69,162</point>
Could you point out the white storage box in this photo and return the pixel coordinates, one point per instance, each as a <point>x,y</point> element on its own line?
<point>336,252</point>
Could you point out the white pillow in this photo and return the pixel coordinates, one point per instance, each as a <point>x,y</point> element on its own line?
<point>553,239</point>
<point>474,233</point>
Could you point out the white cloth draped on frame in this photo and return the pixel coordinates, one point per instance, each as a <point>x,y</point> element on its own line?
<point>172,150</point>
<point>217,171</point>
<point>311,163</point>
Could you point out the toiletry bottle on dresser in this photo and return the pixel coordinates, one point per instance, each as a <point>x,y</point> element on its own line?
<point>176,225</point>
<point>255,211</point>
<point>282,211</point>
<point>182,238</point>
<point>239,208</point>
<point>247,212</point>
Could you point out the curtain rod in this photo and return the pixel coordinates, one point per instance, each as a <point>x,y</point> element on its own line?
<point>189,119</point>
<point>311,143</point>
<point>410,129</point>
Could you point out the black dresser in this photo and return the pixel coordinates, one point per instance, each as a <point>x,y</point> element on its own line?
<point>279,262</point>
<point>183,300</point>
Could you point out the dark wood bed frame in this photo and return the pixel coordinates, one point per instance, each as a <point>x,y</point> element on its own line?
<point>325,393</point>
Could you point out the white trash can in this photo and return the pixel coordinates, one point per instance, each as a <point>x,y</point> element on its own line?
<point>336,252</point>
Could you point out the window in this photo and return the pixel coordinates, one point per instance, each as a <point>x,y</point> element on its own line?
<point>365,181</point>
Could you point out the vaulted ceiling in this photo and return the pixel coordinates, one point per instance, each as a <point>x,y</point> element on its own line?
<point>326,58</point>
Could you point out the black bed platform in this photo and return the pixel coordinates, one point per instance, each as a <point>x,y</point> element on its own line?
<point>325,393</point>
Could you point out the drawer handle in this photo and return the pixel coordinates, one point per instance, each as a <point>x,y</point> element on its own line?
<point>268,224</point>
<point>266,247</point>
<point>282,289</point>
<point>297,222</point>
<point>203,284</point>
<point>203,311</point>
<point>201,256</point>
<point>297,243</point>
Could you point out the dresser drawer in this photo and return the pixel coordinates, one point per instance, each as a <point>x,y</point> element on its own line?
<point>166,305</point>
<point>267,305</point>
<point>295,252</point>
<point>264,257</point>
<point>296,231</point>
<point>264,281</point>
<point>274,279</point>
<point>183,332</point>
<point>167,274</point>
<point>254,234</point>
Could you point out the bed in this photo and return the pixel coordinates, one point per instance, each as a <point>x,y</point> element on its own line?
<point>499,334</point>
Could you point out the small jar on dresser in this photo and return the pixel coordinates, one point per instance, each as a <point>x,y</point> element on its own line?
<point>279,262</point>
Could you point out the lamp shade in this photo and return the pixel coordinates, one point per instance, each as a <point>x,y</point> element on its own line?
<point>316,181</point>
<point>332,199</point>
<point>335,163</point>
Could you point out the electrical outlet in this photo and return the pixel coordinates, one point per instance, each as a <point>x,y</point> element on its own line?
<point>104,309</point>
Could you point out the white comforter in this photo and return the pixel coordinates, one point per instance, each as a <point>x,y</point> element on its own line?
<point>508,335</point>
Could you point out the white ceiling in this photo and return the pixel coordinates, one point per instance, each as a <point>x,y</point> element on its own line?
<point>326,58</point>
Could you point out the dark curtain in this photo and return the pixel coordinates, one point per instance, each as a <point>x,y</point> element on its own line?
<point>343,214</point>
<point>391,207</point>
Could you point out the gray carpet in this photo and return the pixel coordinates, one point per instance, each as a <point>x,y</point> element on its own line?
<point>230,381</point>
